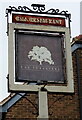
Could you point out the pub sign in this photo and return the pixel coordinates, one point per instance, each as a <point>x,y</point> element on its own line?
<point>39,49</point>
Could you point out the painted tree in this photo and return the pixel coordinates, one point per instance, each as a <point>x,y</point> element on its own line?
<point>40,54</point>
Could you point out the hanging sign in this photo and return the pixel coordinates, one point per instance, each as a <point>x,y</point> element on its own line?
<point>41,20</point>
<point>39,57</point>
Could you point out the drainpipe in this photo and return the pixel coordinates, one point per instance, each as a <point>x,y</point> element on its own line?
<point>79,83</point>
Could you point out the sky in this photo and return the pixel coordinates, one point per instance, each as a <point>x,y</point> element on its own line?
<point>73,7</point>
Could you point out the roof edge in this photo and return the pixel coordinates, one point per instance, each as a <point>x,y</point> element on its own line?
<point>8,102</point>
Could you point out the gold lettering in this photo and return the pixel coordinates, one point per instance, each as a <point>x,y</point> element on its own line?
<point>54,22</point>
<point>37,20</point>
<point>60,21</point>
<point>30,19</point>
<point>50,21</point>
<point>44,20</point>
<point>17,18</point>
<point>34,20</point>
<point>23,19</point>
<point>40,20</point>
<point>57,21</point>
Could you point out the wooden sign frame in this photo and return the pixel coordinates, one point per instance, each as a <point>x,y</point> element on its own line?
<point>14,86</point>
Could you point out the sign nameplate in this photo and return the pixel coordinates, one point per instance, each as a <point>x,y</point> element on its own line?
<point>41,20</point>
